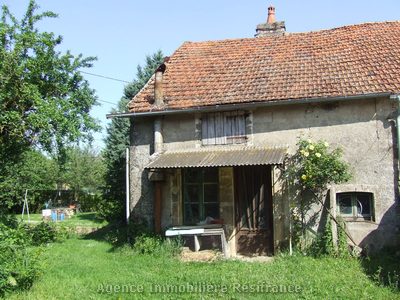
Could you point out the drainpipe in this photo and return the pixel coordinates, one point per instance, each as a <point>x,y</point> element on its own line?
<point>128,210</point>
<point>158,145</point>
<point>158,148</point>
<point>158,137</point>
<point>159,102</point>
<point>397,98</point>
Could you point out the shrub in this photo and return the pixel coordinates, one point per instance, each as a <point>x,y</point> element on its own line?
<point>137,229</point>
<point>314,166</point>
<point>9,220</point>
<point>19,261</point>
<point>310,170</point>
<point>109,209</point>
<point>19,267</point>
<point>64,232</point>
<point>20,256</point>
<point>147,244</point>
<point>156,246</point>
<point>43,233</point>
<point>323,245</point>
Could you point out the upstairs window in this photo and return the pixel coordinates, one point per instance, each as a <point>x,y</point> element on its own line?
<point>355,205</point>
<point>223,128</point>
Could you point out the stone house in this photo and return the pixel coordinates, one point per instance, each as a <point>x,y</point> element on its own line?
<point>212,128</point>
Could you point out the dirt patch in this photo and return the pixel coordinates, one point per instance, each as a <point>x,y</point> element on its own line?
<point>204,255</point>
<point>188,255</point>
<point>84,230</point>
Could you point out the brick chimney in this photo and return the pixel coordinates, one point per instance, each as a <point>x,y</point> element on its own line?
<point>272,27</point>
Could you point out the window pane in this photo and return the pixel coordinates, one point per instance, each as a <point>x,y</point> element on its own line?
<point>211,210</point>
<point>192,213</point>
<point>211,175</point>
<point>192,193</point>
<point>345,205</point>
<point>192,175</point>
<point>363,205</point>
<point>210,193</point>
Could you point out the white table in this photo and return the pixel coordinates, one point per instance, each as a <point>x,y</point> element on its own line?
<point>199,230</point>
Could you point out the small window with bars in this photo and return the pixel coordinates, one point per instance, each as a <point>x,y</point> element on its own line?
<point>224,128</point>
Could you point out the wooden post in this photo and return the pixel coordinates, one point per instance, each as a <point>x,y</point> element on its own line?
<point>332,200</point>
<point>157,206</point>
<point>196,243</point>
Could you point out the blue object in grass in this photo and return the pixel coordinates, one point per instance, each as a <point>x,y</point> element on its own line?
<point>54,215</point>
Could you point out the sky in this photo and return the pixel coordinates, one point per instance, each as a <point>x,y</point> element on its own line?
<point>120,33</point>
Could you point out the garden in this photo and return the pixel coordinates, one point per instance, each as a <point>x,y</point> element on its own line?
<point>103,265</point>
<point>47,161</point>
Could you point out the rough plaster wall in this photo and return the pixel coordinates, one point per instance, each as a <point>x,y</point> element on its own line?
<point>179,132</point>
<point>360,127</point>
<point>362,130</point>
<point>141,189</point>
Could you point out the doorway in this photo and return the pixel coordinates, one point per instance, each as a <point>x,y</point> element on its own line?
<point>253,210</point>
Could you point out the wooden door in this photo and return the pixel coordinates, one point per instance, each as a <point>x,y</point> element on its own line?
<point>253,210</point>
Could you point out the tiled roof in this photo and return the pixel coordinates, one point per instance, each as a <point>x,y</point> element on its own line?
<point>346,61</point>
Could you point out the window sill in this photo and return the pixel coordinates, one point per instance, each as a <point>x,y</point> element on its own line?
<point>358,220</point>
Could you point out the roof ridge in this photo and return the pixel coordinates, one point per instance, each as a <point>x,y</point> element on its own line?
<point>288,33</point>
<point>346,61</point>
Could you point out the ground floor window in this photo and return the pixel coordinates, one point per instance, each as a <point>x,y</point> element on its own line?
<point>200,194</point>
<point>355,205</point>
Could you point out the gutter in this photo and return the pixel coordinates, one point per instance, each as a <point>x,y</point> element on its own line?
<point>248,105</point>
<point>396,98</point>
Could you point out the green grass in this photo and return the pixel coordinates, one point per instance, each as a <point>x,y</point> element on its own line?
<point>88,219</point>
<point>87,268</point>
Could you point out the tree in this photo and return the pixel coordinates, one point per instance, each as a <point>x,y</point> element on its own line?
<point>44,100</point>
<point>33,171</point>
<point>84,171</point>
<point>117,140</point>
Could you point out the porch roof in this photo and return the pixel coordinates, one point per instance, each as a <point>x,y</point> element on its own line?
<point>221,157</point>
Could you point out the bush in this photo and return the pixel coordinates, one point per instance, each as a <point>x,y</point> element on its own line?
<point>109,209</point>
<point>19,267</point>
<point>323,245</point>
<point>156,246</point>
<point>146,244</point>
<point>19,261</point>
<point>43,233</point>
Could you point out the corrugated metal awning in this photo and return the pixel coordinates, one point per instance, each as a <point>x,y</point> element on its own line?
<point>247,156</point>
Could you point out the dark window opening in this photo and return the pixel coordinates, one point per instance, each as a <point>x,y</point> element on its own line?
<point>200,194</point>
<point>355,205</point>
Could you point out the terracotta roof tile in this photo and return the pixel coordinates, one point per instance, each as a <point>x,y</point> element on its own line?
<point>346,61</point>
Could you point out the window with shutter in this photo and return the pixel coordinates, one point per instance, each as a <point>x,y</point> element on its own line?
<point>224,128</point>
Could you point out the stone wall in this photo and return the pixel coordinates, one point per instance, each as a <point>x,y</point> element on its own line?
<point>141,189</point>
<point>360,127</point>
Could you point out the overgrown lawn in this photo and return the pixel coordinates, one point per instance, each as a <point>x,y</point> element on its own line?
<point>93,269</point>
<point>85,219</point>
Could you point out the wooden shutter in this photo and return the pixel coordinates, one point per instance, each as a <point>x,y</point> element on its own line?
<point>223,128</point>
